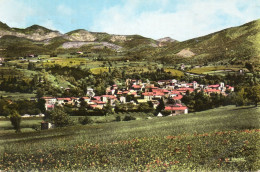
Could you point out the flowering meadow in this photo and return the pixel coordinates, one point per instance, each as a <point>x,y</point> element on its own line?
<point>133,146</point>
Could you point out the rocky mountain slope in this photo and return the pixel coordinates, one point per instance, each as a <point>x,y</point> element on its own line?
<point>165,41</point>
<point>35,32</point>
<point>35,38</point>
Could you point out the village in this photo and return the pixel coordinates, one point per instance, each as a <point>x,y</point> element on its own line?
<point>170,91</point>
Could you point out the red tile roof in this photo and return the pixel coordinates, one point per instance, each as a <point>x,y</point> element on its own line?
<point>160,90</point>
<point>137,86</point>
<point>151,87</point>
<point>213,86</point>
<point>97,97</point>
<point>158,94</point>
<point>173,108</point>
<point>148,94</point>
<point>175,92</point>
<point>212,91</point>
<point>68,99</point>
<point>109,96</point>
<point>98,102</point>
<point>133,93</point>
<point>178,97</point>
<point>184,89</point>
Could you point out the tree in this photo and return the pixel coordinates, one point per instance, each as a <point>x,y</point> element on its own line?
<point>59,117</point>
<point>108,108</point>
<point>82,109</point>
<point>249,66</point>
<point>39,93</point>
<point>161,106</point>
<point>85,120</point>
<point>240,98</point>
<point>144,107</point>
<point>3,107</point>
<point>31,66</point>
<point>254,94</point>
<point>41,105</point>
<point>15,119</point>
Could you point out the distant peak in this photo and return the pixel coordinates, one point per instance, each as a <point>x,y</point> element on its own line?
<point>35,27</point>
<point>166,39</point>
<point>4,26</point>
<point>77,30</point>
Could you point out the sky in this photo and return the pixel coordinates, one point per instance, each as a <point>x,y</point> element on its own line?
<point>178,19</point>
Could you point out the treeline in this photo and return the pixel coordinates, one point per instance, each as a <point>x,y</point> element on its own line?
<point>199,101</point>
<point>22,107</point>
<point>16,84</point>
<point>81,79</point>
<point>229,79</point>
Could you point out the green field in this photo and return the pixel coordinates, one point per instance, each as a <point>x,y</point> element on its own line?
<point>226,138</point>
<point>17,96</point>
<point>174,72</point>
<point>217,69</point>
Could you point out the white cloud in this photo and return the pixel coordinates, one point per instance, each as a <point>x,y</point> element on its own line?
<point>64,10</point>
<point>14,13</point>
<point>192,18</point>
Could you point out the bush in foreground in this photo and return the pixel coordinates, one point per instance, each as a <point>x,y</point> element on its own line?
<point>60,118</point>
<point>85,120</point>
<point>129,118</point>
<point>16,119</point>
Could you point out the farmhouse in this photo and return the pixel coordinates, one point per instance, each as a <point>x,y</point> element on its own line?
<point>177,109</point>
<point>62,101</point>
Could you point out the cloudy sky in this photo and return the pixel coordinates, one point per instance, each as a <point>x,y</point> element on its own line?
<point>179,19</point>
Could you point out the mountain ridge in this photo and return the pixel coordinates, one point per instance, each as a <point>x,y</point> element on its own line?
<point>235,44</point>
<point>230,45</point>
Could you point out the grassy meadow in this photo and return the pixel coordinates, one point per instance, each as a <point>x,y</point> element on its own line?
<point>226,138</point>
<point>215,69</point>
<point>174,72</point>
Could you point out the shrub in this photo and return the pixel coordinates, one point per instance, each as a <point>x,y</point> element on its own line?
<point>166,112</point>
<point>15,119</point>
<point>129,118</point>
<point>36,127</point>
<point>60,118</point>
<point>85,120</point>
<point>118,118</point>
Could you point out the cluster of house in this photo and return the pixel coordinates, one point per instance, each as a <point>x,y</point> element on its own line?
<point>171,91</point>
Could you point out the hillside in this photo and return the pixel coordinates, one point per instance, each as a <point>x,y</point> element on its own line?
<point>215,140</point>
<point>34,32</point>
<point>40,40</point>
<point>232,45</point>
<point>12,46</point>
